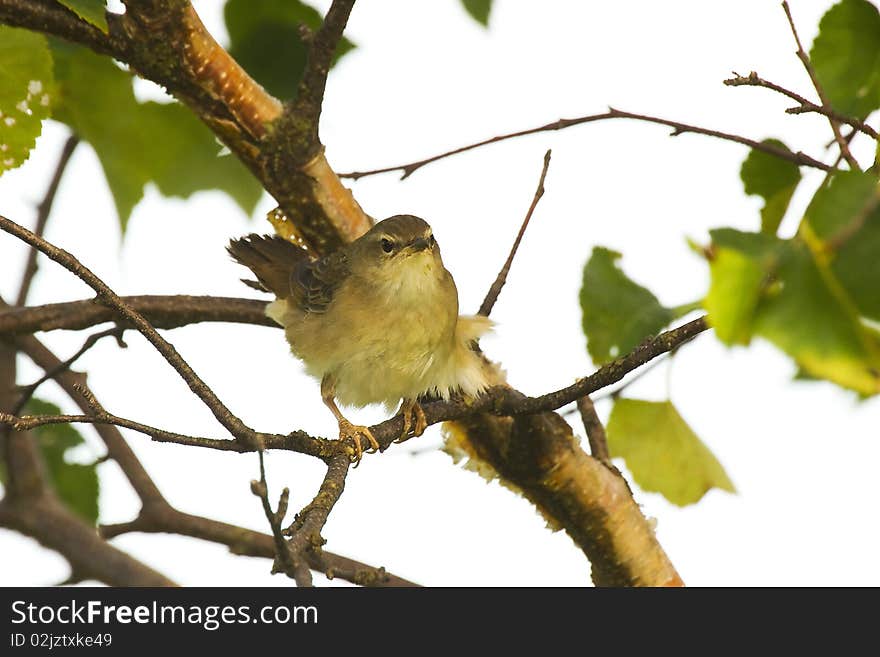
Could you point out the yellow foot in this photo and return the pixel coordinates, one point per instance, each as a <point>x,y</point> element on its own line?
<point>355,432</point>
<point>411,409</point>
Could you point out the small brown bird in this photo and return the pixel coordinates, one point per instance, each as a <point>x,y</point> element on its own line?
<point>376,321</point>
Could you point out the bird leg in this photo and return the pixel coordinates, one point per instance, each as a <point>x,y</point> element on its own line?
<point>411,409</point>
<point>346,428</point>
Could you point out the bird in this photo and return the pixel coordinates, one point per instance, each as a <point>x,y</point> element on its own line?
<point>376,321</point>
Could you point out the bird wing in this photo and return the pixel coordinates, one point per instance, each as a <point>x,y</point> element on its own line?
<point>312,284</point>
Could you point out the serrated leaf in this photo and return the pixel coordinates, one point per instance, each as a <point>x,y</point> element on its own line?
<point>264,38</point>
<point>479,10</point>
<point>846,57</point>
<point>774,180</point>
<point>617,313</point>
<point>662,452</point>
<point>76,484</point>
<point>139,143</point>
<point>93,11</point>
<point>26,88</point>
<point>737,281</point>
<point>844,216</point>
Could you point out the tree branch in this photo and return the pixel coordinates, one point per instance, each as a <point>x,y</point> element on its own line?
<point>28,391</point>
<point>499,400</point>
<point>158,516</point>
<point>163,312</point>
<point>305,532</point>
<point>90,557</point>
<point>799,158</point>
<point>56,19</point>
<point>43,211</point>
<point>501,279</point>
<point>595,430</point>
<point>306,107</point>
<point>231,422</point>
<point>804,105</point>
<point>285,559</point>
<point>808,66</point>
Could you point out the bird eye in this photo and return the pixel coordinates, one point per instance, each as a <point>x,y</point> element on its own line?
<point>431,240</point>
<point>387,245</point>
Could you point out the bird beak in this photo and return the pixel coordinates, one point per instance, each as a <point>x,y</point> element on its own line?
<point>419,245</point>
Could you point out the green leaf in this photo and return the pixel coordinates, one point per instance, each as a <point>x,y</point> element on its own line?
<point>845,219</point>
<point>479,10</point>
<point>26,90</point>
<point>846,57</point>
<point>774,180</point>
<point>802,308</point>
<point>736,284</point>
<point>662,452</point>
<point>809,317</point>
<point>76,484</point>
<point>138,143</point>
<point>93,11</point>
<point>264,38</point>
<point>188,159</point>
<point>618,314</point>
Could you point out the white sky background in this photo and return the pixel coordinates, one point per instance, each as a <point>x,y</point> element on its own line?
<point>426,78</point>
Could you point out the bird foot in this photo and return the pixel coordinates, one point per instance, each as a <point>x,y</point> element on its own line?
<point>356,432</point>
<point>412,410</point>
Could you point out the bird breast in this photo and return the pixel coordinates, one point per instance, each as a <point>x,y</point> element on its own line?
<point>382,340</point>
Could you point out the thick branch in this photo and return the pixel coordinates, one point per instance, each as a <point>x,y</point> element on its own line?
<point>90,557</point>
<point>251,543</point>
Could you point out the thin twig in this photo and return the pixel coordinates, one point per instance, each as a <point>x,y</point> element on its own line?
<point>501,279</point>
<point>44,209</point>
<point>71,382</point>
<point>808,66</point>
<point>595,431</point>
<point>804,106</point>
<point>799,158</point>
<point>285,560</point>
<point>28,391</point>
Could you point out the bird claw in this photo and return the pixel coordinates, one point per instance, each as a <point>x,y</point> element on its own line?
<point>410,410</point>
<point>355,432</point>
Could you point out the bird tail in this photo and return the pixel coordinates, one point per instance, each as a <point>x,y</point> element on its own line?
<point>271,258</point>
